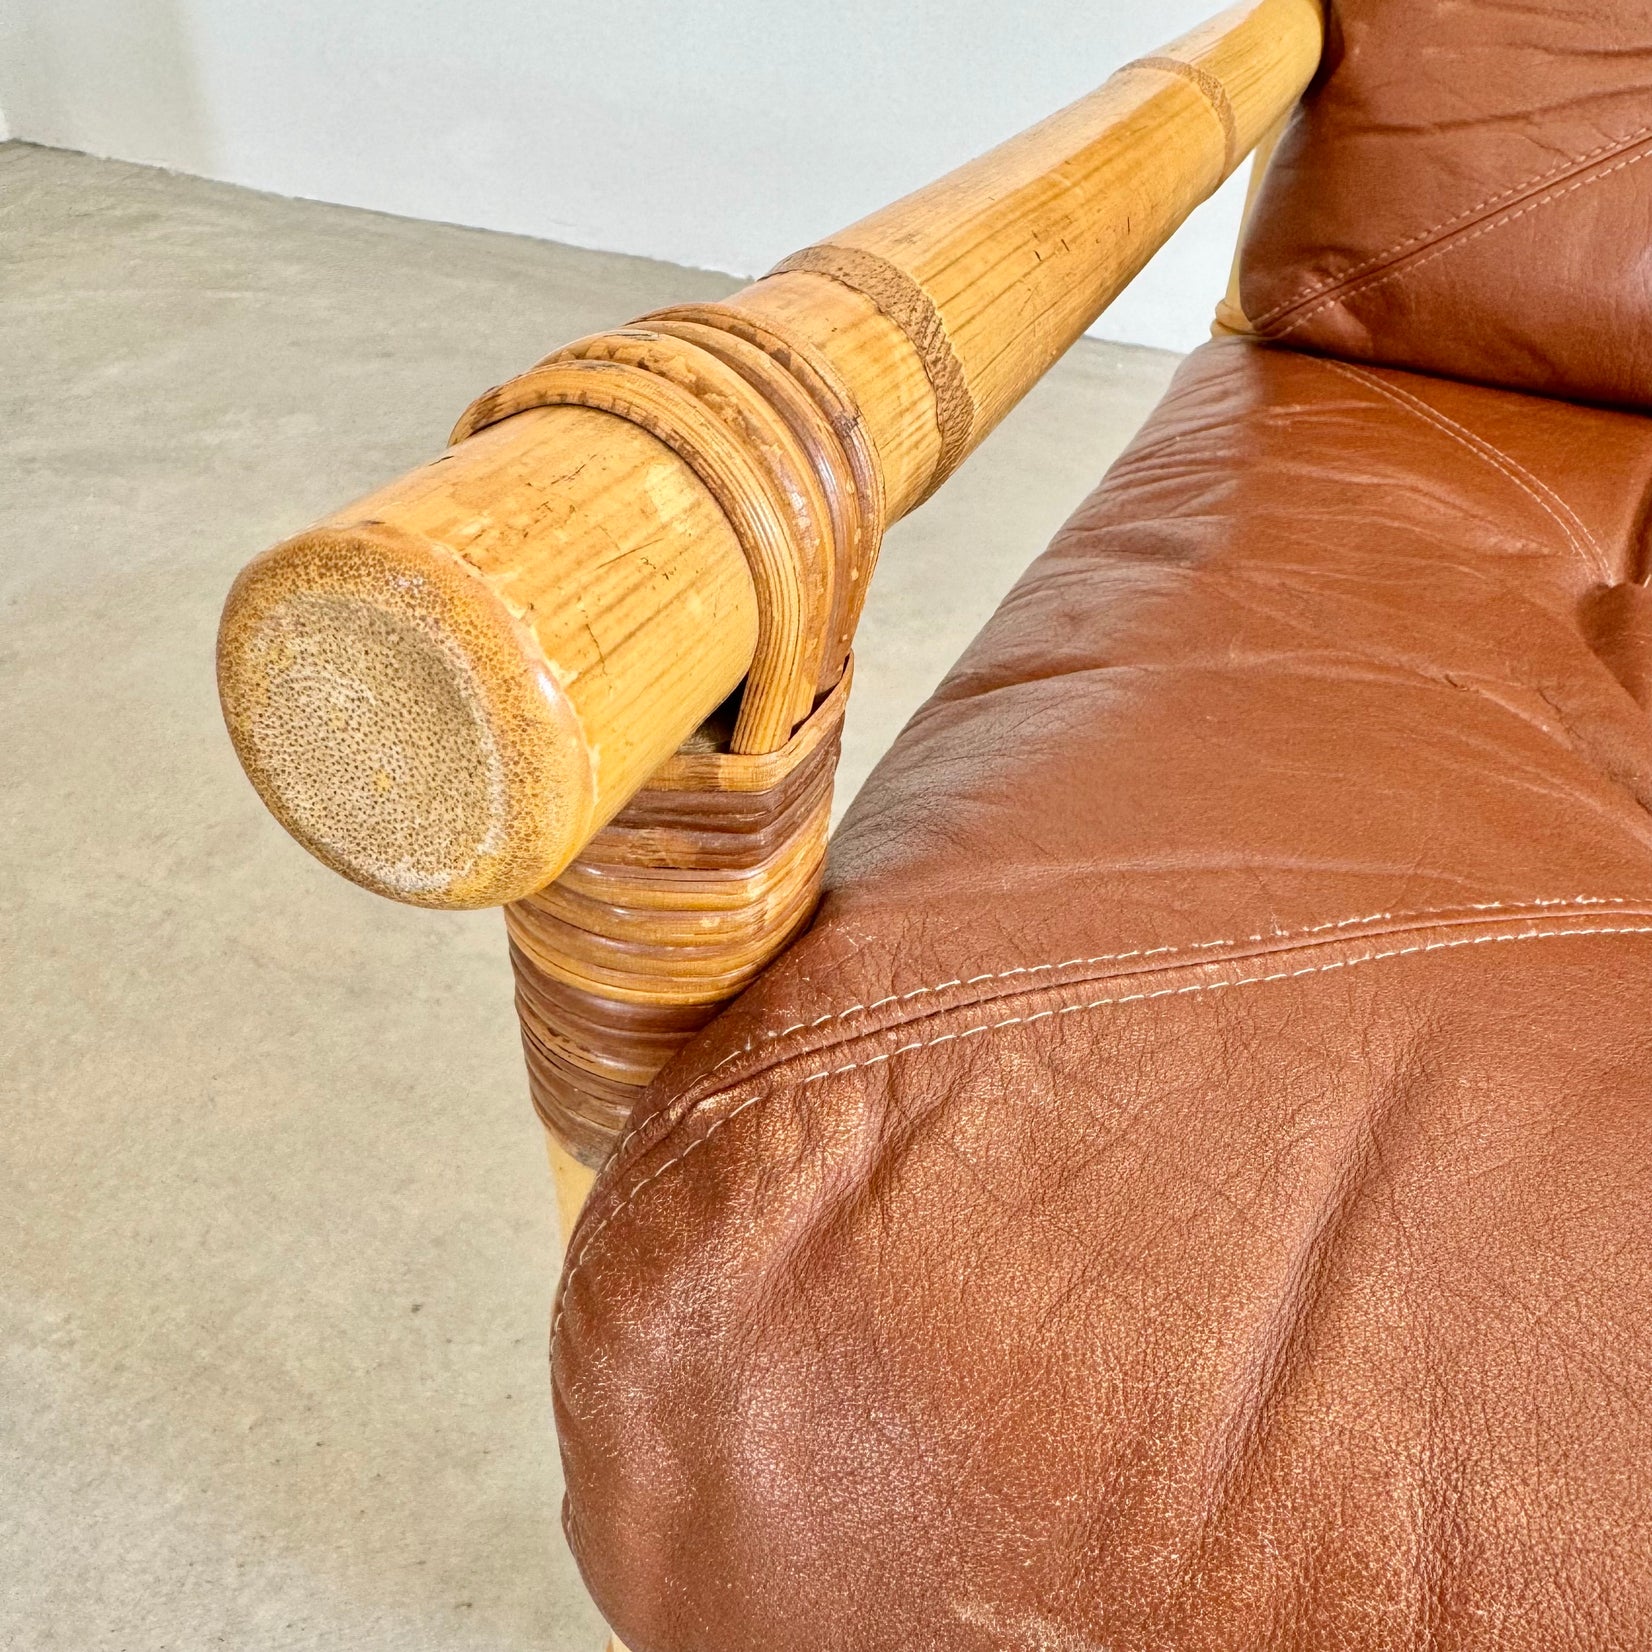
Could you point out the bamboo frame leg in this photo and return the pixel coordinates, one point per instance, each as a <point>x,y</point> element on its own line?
<point>573,1183</point>
<point>1230,320</point>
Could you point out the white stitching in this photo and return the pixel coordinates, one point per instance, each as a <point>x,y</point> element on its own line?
<point>1483,448</point>
<point>1259,939</point>
<point>1161,952</point>
<point>1044,1015</point>
<point>1487,451</point>
<point>1451,223</point>
<point>1361,288</point>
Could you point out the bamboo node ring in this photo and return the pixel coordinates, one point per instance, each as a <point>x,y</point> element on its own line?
<point>1213,92</point>
<point>905,303</point>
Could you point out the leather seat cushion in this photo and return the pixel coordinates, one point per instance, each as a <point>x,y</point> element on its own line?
<point>1464,191</point>
<point>1189,1189</point>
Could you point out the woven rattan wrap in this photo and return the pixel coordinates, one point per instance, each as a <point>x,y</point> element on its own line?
<point>707,873</point>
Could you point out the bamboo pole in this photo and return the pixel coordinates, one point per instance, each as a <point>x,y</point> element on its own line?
<point>1230,319</point>
<point>446,688</point>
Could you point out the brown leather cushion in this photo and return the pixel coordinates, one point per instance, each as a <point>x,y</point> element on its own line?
<point>1465,191</point>
<point>1190,1188</point>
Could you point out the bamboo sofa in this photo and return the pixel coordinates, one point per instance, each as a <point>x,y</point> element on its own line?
<point>1178,1175</point>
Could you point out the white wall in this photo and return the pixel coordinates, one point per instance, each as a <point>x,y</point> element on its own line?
<point>718,133</point>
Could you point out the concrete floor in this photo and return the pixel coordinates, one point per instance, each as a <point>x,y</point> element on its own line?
<point>276,1244</point>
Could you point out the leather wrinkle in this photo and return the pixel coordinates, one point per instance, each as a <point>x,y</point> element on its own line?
<point>1540,493</point>
<point>696,1105</point>
<point>1478,130</point>
<point>1277,1354</point>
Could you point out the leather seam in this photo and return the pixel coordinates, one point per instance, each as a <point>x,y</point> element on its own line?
<point>1487,451</point>
<point>1358,289</point>
<point>1465,910</point>
<point>1514,908</point>
<point>1457,220</point>
<point>980,1029</point>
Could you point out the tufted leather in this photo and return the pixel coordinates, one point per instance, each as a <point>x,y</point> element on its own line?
<point>1189,1189</point>
<point>1467,191</point>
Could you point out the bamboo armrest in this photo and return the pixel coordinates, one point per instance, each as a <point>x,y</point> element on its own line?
<point>445,689</point>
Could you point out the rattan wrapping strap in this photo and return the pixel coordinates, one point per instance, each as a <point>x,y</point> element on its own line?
<point>898,296</point>
<point>777,440</point>
<point>811,395</point>
<point>1214,93</point>
<point>783,546</point>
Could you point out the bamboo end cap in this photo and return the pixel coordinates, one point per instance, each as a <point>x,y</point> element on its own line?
<point>399,721</point>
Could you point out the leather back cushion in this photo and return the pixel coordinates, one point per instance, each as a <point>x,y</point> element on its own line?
<point>1464,191</point>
